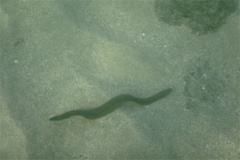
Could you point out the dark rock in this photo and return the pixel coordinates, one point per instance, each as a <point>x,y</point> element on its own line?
<point>202,16</point>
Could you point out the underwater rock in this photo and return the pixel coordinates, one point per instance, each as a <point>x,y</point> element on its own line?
<point>202,16</point>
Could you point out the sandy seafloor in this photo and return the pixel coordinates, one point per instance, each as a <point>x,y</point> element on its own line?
<point>61,55</point>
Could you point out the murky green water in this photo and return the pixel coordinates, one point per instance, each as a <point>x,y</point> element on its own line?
<point>61,55</point>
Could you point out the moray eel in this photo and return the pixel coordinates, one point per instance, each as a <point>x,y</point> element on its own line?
<point>111,105</point>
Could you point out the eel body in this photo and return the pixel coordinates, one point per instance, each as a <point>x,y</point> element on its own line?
<point>111,105</point>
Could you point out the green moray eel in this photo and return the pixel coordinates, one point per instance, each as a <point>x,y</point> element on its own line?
<point>111,105</point>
